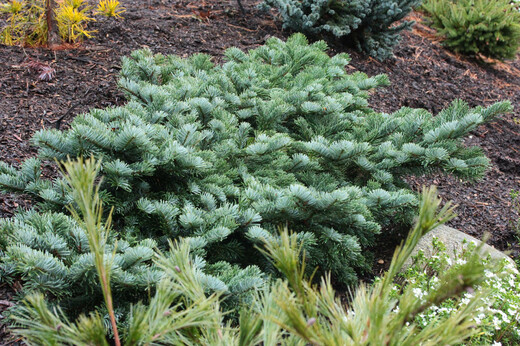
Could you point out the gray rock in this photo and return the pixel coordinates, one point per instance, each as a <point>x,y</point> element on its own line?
<point>454,241</point>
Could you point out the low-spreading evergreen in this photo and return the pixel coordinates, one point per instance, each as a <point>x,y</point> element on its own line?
<point>477,27</point>
<point>290,311</point>
<point>222,156</point>
<point>370,25</point>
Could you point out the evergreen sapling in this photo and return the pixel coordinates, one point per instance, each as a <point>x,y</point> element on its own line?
<point>371,25</point>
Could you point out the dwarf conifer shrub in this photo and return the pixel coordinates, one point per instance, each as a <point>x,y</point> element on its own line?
<point>368,24</point>
<point>223,155</point>
<point>291,310</point>
<point>477,27</point>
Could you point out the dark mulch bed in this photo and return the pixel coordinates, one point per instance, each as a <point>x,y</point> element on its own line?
<point>422,75</point>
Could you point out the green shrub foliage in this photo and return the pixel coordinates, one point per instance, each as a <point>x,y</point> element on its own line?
<point>224,155</point>
<point>289,311</point>
<point>473,27</point>
<point>50,253</point>
<point>368,24</point>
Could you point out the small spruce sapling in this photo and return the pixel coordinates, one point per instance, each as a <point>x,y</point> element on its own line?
<point>373,26</point>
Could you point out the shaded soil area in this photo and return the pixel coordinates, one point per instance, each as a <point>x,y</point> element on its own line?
<point>422,74</point>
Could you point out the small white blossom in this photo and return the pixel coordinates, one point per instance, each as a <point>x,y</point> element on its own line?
<point>489,274</point>
<point>496,323</point>
<point>461,261</point>
<point>418,292</point>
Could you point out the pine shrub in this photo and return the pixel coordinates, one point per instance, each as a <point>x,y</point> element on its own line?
<point>224,155</point>
<point>477,27</point>
<point>368,24</point>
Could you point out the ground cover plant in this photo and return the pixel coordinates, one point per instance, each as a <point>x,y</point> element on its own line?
<point>369,24</point>
<point>289,311</point>
<point>498,317</point>
<point>223,155</point>
<point>477,27</point>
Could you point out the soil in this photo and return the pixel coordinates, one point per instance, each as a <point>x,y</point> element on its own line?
<point>422,74</point>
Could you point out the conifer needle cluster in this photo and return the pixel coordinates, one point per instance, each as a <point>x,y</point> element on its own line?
<point>373,26</point>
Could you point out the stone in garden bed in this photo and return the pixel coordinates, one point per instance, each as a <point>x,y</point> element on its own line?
<point>453,239</point>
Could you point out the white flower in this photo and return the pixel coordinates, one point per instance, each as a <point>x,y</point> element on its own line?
<point>461,261</point>
<point>479,318</point>
<point>418,292</point>
<point>496,322</point>
<point>489,274</point>
<point>504,317</point>
<point>496,344</point>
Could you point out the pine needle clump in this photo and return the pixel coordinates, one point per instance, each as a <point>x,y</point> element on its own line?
<point>371,25</point>
<point>222,156</point>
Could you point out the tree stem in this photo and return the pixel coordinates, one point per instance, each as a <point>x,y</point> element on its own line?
<point>52,26</point>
